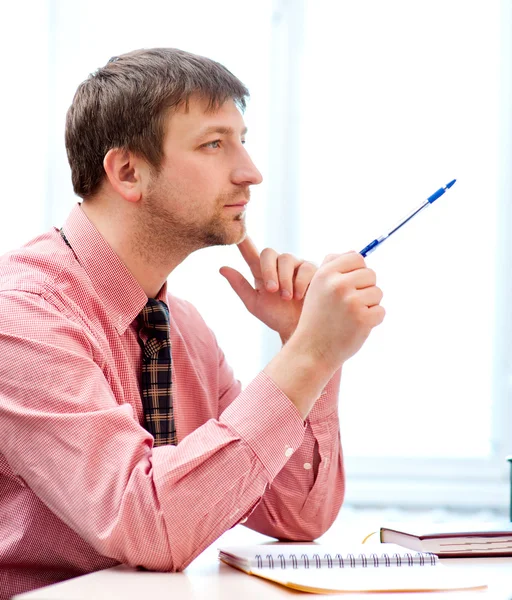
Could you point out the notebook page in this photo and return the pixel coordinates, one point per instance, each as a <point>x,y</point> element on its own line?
<point>412,579</point>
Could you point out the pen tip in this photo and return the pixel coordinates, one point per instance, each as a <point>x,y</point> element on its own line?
<point>449,185</point>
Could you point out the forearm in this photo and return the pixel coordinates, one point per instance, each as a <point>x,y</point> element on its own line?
<point>305,498</point>
<point>245,460</point>
<point>252,446</point>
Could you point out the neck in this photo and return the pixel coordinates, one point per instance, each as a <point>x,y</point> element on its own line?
<point>133,244</point>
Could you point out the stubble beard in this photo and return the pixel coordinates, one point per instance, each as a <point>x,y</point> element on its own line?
<point>160,233</point>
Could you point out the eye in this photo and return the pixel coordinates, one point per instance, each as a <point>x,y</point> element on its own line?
<point>214,144</point>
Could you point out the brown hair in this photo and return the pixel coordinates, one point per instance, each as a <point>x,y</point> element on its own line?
<point>125,104</point>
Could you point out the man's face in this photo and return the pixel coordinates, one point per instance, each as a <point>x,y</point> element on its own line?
<point>199,197</point>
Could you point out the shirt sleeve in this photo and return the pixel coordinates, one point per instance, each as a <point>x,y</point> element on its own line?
<point>305,497</point>
<point>89,461</point>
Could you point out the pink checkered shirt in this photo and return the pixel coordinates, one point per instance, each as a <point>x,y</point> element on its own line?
<point>81,486</point>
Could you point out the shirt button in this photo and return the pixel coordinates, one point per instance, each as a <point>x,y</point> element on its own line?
<point>244,520</point>
<point>307,466</point>
<point>288,452</point>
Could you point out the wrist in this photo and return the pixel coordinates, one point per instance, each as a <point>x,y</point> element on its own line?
<point>300,374</point>
<point>323,366</point>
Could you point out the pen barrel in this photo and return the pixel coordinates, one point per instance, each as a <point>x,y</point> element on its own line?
<point>408,217</point>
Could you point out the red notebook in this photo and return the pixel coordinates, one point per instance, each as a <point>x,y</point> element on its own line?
<point>457,540</point>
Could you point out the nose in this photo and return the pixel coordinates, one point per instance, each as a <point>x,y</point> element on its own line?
<point>245,171</point>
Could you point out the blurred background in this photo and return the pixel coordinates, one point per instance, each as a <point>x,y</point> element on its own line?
<point>359,110</point>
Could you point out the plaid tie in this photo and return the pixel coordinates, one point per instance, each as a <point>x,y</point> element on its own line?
<point>156,373</point>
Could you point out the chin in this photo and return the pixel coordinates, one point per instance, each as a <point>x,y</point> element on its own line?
<point>227,236</point>
<point>235,238</point>
<point>236,232</point>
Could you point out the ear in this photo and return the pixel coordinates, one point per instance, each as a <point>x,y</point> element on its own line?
<point>127,173</point>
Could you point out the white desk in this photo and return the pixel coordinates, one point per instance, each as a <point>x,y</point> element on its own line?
<point>206,578</point>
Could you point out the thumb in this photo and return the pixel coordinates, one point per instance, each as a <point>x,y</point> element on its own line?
<point>240,285</point>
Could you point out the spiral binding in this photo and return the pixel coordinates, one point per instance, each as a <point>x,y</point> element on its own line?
<point>315,561</point>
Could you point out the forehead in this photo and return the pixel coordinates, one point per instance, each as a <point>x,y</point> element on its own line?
<point>189,121</point>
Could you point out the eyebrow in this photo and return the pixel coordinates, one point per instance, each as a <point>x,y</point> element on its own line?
<point>220,129</point>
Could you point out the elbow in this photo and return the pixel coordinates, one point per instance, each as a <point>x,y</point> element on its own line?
<point>158,566</point>
<point>322,524</point>
<point>314,523</point>
<point>142,557</point>
<point>313,529</point>
<point>138,546</point>
<point>298,529</point>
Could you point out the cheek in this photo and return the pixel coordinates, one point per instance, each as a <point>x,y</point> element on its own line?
<point>194,185</point>
<point>199,185</point>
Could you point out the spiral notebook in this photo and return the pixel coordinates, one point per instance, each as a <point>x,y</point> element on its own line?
<point>370,568</point>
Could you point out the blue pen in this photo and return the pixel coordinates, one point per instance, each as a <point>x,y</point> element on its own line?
<point>372,245</point>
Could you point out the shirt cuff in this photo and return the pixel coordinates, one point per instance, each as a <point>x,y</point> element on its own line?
<point>327,402</point>
<point>267,420</point>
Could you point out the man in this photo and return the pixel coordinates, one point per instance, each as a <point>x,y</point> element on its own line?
<point>109,452</point>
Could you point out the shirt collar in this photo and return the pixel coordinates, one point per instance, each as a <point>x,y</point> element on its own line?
<point>116,287</point>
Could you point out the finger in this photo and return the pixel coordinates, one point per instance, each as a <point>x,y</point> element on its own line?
<point>376,315</point>
<point>251,256</point>
<point>370,296</point>
<point>240,285</point>
<point>303,278</point>
<point>344,263</point>
<point>268,266</point>
<point>362,278</point>
<point>286,265</point>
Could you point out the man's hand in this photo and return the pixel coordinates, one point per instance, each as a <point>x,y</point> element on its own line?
<point>341,309</point>
<point>280,285</point>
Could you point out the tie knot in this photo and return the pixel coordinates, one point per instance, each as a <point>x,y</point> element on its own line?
<point>154,317</point>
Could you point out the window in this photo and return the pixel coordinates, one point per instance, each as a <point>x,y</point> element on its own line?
<point>393,101</point>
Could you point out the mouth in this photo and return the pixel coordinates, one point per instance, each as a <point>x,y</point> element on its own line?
<point>237,205</point>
